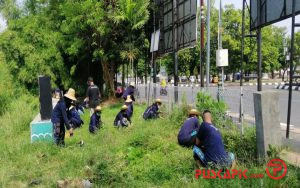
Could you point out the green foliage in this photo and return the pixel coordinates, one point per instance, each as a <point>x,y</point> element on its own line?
<point>146,154</point>
<point>218,109</point>
<point>243,146</point>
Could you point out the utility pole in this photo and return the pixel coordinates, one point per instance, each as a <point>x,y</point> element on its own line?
<point>291,70</point>
<point>220,39</point>
<point>175,48</point>
<point>202,44</point>
<point>208,44</point>
<point>153,60</point>
<point>241,118</point>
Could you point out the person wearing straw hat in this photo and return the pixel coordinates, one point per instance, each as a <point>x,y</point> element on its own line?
<point>152,112</point>
<point>187,134</point>
<point>122,119</point>
<point>59,117</point>
<point>129,104</point>
<point>95,122</point>
<point>209,149</point>
<point>129,91</point>
<point>74,116</point>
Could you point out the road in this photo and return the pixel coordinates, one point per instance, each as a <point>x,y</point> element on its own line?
<point>232,98</point>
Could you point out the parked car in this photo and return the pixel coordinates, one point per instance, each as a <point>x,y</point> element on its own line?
<point>192,79</point>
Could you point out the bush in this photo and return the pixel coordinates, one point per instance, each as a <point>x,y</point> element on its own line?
<point>218,109</point>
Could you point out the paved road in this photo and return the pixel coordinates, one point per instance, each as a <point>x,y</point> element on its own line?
<point>232,98</point>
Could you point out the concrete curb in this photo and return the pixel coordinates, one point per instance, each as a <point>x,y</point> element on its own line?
<point>286,87</point>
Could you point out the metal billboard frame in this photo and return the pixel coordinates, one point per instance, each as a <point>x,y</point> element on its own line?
<point>261,17</point>
<point>185,22</point>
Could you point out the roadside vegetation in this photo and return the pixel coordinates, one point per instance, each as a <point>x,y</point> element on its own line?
<point>145,154</point>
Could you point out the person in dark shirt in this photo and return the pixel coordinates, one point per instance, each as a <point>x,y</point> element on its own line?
<point>129,104</point>
<point>122,119</point>
<point>95,122</point>
<point>129,91</point>
<point>74,117</point>
<point>92,95</point>
<point>187,134</point>
<point>152,112</point>
<point>209,149</point>
<point>60,119</point>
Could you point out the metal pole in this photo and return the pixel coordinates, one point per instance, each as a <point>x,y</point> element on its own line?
<point>175,50</point>
<point>291,72</point>
<point>241,67</point>
<point>153,60</point>
<point>208,44</point>
<point>259,58</point>
<point>202,44</point>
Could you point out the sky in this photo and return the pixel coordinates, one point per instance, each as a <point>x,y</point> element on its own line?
<point>237,4</point>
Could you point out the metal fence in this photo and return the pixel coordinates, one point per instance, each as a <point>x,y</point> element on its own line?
<point>231,96</point>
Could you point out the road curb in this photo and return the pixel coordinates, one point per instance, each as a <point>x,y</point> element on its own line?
<point>286,87</point>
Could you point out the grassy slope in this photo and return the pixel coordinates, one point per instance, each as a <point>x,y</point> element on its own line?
<point>146,154</point>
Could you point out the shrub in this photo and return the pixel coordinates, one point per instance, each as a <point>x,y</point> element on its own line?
<point>218,109</point>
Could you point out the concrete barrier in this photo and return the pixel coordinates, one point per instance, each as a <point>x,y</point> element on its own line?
<point>266,107</point>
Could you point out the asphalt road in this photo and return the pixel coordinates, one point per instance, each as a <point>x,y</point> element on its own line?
<point>232,98</point>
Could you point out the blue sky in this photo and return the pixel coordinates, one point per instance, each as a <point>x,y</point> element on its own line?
<point>237,4</point>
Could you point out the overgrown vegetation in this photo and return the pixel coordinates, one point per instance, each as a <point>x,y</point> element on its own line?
<point>146,154</point>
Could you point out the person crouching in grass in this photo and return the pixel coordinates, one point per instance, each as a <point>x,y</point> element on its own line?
<point>74,116</point>
<point>188,132</point>
<point>209,150</point>
<point>95,121</point>
<point>59,117</point>
<point>122,119</point>
<point>152,112</point>
<point>129,104</point>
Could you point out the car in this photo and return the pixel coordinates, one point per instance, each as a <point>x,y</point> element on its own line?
<point>192,79</point>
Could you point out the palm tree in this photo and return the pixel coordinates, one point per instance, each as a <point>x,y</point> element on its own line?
<point>133,14</point>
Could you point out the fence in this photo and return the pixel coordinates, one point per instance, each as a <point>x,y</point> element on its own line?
<point>231,96</point>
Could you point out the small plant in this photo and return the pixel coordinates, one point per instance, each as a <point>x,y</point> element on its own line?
<point>218,109</point>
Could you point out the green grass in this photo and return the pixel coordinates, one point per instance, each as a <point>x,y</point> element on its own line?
<point>146,154</point>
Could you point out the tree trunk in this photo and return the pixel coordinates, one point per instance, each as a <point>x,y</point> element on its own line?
<point>233,77</point>
<point>123,77</point>
<point>108,78</point>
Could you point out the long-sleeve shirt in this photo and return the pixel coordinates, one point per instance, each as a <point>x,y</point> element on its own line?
<point>120,117</point>
<point>94,122</point>
<point>59,114</point>
<point>74,117</point>
<point>129,91</point>
<point>151,112</point>
<point>129,110</point>
<point>189,129</point>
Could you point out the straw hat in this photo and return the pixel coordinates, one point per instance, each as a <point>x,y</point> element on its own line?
<point>132,84</point>
<point>124,107</point>
<point>71,94</point>
<point>194,112</point>
<point>128,99</point>
<point>158,101</point>
<point>98,108</point>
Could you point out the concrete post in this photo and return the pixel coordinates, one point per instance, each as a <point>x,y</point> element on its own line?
<point>266,107</point>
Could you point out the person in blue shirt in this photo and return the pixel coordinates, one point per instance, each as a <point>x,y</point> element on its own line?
<point>152,112</point>
<point>122,119</point>
<point>95,122</point>
<point>59,117</point>
<point>74,117</point>
<point>129,104</point>
<point>188,132</point>
<point>129,91</point>
<point>209,148</point>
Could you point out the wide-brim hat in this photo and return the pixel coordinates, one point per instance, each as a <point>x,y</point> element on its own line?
<point>132,84</point>
<point>158,101</point>
<point>128,99</point>
<point>98,108</point>
<point>71,94</point>
<point>124,107</point>
<point>194,112</point>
